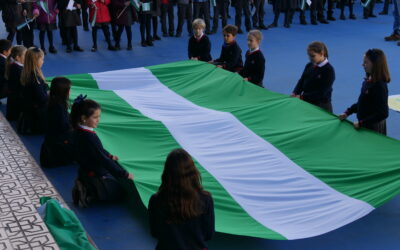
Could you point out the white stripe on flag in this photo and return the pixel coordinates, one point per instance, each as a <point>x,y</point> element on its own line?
<point>268,185</point>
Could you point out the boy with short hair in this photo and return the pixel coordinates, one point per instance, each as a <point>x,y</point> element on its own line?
<point>231,54</point>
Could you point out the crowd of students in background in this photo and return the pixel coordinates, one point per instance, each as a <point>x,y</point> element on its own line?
<point>181,212</point>
<point>21,17</point>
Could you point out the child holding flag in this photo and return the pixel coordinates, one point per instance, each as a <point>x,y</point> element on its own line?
<point>254,66</point>
<point>46,22</point>
<point>100,18</point>
<point>231,54</point>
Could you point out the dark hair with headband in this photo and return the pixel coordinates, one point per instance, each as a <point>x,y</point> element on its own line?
<point>380,70</point>
<point>82,107</point>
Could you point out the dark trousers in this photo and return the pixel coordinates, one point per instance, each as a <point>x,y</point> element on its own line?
<point>379,127</point>
<point>343,4</point>
<point>49,37</point>
<point>105,188</point>
<point>288,16</point>
<point>167,10</point>
<point>106,32</point>
<point>386,6</point>
<point>11,35</point>
<point>317,10</point>
<point>258,17</point>
<point>71,36</point>
<point>155,24</point>
<point>85,16</point>
<point>369,10</point>
<point>145,26</point>
<point>27,36</point>
<point>330,7</point>
<point>220,10</point>
<point>242,6</point>
<point>202,10</point>
<point>184,12</point>
<point>118,34</point>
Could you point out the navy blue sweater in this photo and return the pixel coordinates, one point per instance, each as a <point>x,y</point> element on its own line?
<point>372,105</point>
<point>315,84</point>
<point>231,57</point>
<point>93,159</point>
<point>254,67</point>
<point>58,123</point>
<point>200,48</point>
<point>191,234</point>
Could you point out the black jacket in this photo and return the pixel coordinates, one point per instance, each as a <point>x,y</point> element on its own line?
<point>231,57</point>
<point>191,234</point>
<point>58,123</point>
<point>315,84</point>
<point>254,67</point>
<point>372,105</point>
<point>93,158</point>
<point>200,48</point>
<point>2,78</point>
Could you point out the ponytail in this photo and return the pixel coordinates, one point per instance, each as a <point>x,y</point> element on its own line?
<point>82,107</point>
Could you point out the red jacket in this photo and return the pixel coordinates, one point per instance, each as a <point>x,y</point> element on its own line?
<point>103,15</point>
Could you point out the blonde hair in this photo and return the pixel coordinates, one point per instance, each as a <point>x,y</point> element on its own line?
<point>199,23</point>
<point>256,34</point>
<point>16,51</point>
<point>31,65</point>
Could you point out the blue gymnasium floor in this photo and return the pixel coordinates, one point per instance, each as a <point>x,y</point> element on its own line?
<point>124,226</point>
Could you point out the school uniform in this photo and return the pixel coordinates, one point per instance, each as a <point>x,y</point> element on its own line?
<point>11,15</point>
<point>315,84</point>
<point>3,82</point>
<point>14,88</point>
<point>98,172</point>
<point>190,234</point>
<point>258,16</point>
<point>231,57</point>
<point>101,21</point>
<point>46,22</point>
<point>372,106</point>
<point>123,17</point>
<point>200,48</point>
<point>369,10</point>
<point>156,12</point>
<point>201,9</point>
<point>34,107</point>
<point>286,6</point>
<point>185,12</point>
<point>145,24</point>
<point>254,67</point>
<point>220,13</point>
<point>167,9</point>
<point>242,6</point>
<point>69,19</point>
<point>343,3</point>
<point>57,147</point>
<point>27,31</point>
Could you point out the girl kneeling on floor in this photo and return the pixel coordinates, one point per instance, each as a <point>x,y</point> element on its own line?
<point>98,169</point>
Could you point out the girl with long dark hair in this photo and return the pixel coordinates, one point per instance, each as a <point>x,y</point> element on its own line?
<point>181,213</point>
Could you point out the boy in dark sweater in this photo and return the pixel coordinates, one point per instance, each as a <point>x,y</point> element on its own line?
<point>254,65</point>
<point>231,54</point>
<point>199,45</point>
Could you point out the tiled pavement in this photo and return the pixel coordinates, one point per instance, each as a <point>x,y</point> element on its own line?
<point>22,183</point>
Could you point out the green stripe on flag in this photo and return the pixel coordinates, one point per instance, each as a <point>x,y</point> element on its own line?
<point>123,131</point>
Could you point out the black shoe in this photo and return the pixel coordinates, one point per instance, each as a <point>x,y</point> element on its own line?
<point>69,50</point>
<point>79,194</point>
<point>111,48</point>
<point>156,38</point>
<point>323,21</point>
<point>52,50</point>
<point>342,17</point>
<point>77,48</point>
<point>144,44</point>
<point>240,31</point>
<point>303,21</point>
<point>365,17</point>
<point>383,13</point>
<point>272,25</point>
<point>178,34</point>
<point>117,46</point>
<point>331,18</point>
<point>94,49</point>
<point>171,33</point>
<point>129,47</point>
<point>353,17</point>
<point>263,27</point>
<point>165,35</point>
<point>372,15</point>
<point>286,25</point>
<point>44,51</point>
<point>149,43</point>
<point>314,22</point>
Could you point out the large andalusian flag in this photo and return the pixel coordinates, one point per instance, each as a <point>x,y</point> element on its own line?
<point>277,167</point>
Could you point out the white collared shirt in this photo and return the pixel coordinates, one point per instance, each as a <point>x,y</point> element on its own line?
<point>254,50</point>
<point>86,127</point>
<point>3,56</point>
<point>323,63</point>
<point>18,63</point>
<point>198,38</point>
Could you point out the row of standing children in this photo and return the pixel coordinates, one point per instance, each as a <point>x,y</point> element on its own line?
<point>199,48</point>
